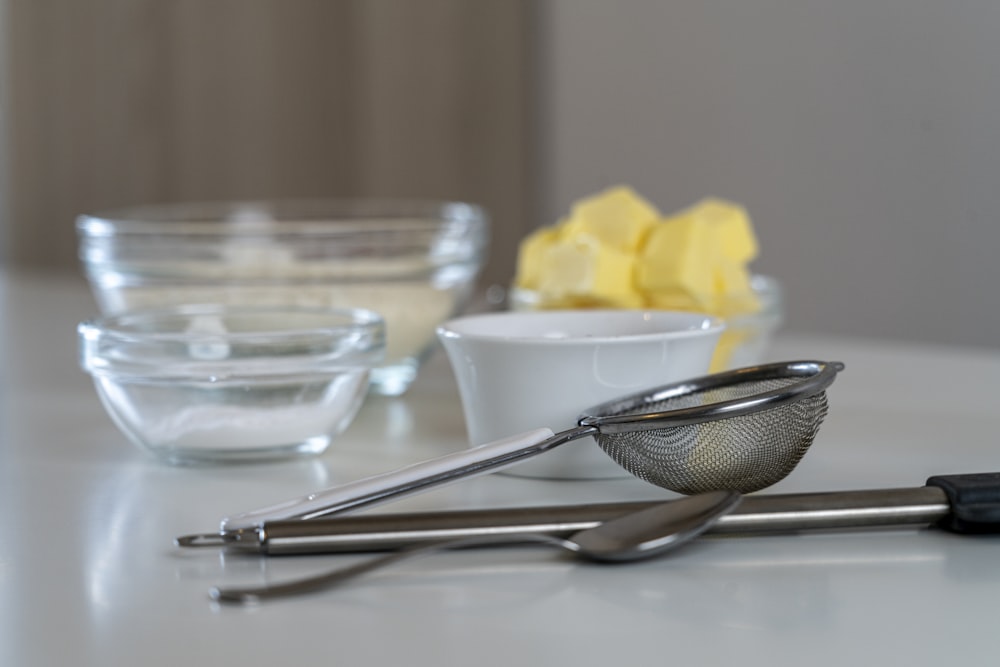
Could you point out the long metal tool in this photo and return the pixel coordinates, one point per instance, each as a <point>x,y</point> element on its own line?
<point>960,503</point>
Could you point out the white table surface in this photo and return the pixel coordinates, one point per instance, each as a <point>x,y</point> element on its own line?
<point>89,574</point>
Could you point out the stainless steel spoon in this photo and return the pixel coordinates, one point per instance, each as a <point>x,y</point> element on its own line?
<point>637,535</point>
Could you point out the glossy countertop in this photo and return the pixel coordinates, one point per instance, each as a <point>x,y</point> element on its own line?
<point>89,574</point>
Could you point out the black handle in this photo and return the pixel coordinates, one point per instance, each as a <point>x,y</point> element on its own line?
<point>974,500</point>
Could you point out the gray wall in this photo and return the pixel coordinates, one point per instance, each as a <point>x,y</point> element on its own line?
<point>109,103</point>
<point>863,136</point>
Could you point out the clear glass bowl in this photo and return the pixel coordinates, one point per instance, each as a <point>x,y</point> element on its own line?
<point>745,340</point>
<point>216,383</point>
<point>415,263</point>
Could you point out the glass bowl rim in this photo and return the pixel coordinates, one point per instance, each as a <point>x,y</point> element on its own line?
<point>105,333</point>
<point>768,288</point>
<point>311,217</point>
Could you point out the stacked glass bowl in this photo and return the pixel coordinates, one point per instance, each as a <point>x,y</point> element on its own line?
<point>415,264</point>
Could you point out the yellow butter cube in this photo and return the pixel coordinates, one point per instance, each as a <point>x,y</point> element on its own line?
<point>581,267</point>
<point>678,258</point>
<point>530,253</point>
<point>733,292</point>
<point>731,226</point>
<point>617,217</point>
<point>676,300</point>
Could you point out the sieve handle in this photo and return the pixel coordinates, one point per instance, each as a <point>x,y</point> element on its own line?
<point>466,463</point>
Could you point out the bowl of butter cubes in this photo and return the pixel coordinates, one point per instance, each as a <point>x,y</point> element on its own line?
<point>615,249</point>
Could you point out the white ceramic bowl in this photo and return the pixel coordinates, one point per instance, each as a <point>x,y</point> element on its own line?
<point>214,383</point>
<point>518,371</point>
<point>415,263</point>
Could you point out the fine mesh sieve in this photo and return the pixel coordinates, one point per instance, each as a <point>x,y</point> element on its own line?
<point>740,430</point>
<point>743,430</point>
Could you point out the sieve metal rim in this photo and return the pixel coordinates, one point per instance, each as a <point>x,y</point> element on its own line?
<point>816,376</point>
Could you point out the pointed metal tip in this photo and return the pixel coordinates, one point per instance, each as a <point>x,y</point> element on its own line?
<point>202,540</point>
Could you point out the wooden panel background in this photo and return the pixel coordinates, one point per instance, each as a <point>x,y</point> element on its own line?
<point>116,102</point>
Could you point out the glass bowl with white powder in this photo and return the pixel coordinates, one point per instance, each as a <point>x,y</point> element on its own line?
<point>415,263</point>
<point>210,383</point>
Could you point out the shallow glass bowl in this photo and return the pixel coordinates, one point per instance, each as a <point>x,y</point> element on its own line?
<point>215,383</point>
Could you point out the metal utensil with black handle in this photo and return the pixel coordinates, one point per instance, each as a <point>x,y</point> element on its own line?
<point>959,503</point>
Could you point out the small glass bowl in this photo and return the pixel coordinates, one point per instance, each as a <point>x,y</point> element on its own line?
<point>213,383</point>
<point>745,340</point>
<point>415,263</point>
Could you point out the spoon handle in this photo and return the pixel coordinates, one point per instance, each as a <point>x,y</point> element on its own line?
<point>332,578</point>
